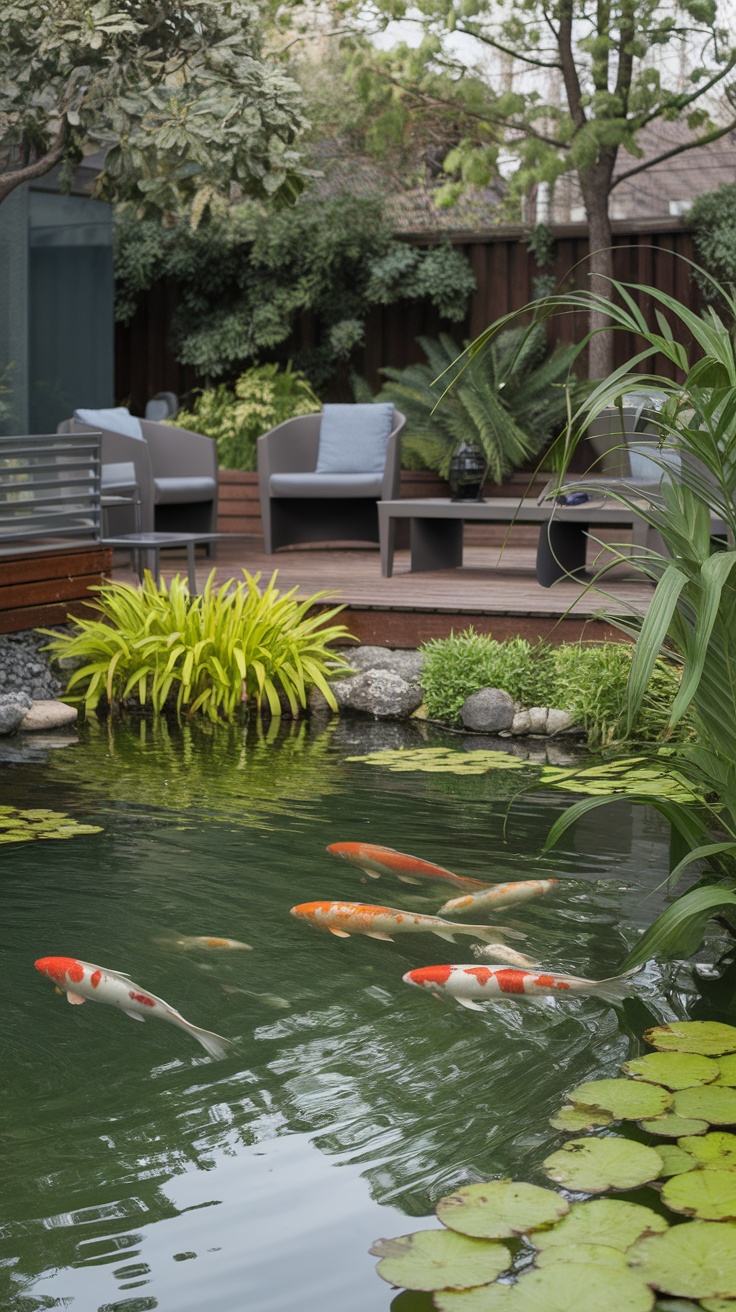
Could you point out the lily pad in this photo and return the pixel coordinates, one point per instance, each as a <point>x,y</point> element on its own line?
<point>675,1070</point>
<point>708,1038</point>
<point>489,1298</point>
<point>716,1150</point>
<point>675,1159</point>
<point>695,1260</point>
<point>593,1165</point>
<point>439,1259</point>
<point>580,1118</point>
<point>672,1126</point>
<point>626,1100</point>
<point>609,1221</point>
<point>710,1102</point>
<point>708,1194</point>
<point>717,1304</point>
<point>17,836</point>
<point>581,1285</point>
<point>436,759</point>
<point>500,1209</point>
<point>596,1254</point>
<point>727,1071</point>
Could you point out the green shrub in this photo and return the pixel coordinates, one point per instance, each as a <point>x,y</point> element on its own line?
<point>264,396</point>
<point>457,666</point>
<point>211,653</point>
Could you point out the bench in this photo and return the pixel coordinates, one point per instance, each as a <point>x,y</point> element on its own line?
<point>49,490</point>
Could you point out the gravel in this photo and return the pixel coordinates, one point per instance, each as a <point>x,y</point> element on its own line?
<point>25,668</point>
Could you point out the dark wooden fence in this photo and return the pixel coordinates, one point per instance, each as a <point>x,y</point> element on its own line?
<point>648,254</point>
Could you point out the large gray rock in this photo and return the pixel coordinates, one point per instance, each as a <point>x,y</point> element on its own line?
<point>46,715</point>
<point>13,706</point>
<point>558,721</point>
<point>488,711</point>
<point>521,723</point>
<point>380,693</point>
<point>537,719</point>
<point>405,662</point>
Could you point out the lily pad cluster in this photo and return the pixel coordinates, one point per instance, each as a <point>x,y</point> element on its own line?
<point>513,1247</point>
<point>18,826</point>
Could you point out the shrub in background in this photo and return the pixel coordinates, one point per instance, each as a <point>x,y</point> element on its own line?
<point>457,666</point>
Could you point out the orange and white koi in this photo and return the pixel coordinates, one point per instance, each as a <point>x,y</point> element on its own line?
<point>376,861</point>
<point>80,980</point>
<point>208,941</point>
<point>346,918</point>
<point>471,985</point>
<point>502,895</point>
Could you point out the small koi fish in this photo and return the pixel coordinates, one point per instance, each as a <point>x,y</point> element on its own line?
<point>470,985</point>
<point>502,895</point>
<point>346,918</point>
<point>499,952</point>
<point>376,861</point>
<point>81,980</point>
<point>206,941</point>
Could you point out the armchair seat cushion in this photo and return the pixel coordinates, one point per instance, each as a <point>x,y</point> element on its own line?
<point>353,438</point>
<point>117,419</point>
<point>325,485</point>
<point>175,491</point>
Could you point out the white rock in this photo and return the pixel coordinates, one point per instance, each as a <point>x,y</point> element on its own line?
<point>47,715</point>
<point>538,718</point>
<point>521,723</point>
<point>558,720</point>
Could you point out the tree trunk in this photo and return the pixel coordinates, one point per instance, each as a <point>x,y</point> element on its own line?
<point>600,348</point>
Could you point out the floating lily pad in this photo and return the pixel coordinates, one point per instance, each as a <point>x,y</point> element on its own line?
<point>580,1118</point>
<point>17,837</point>
<point>596,1254</point>
<point>490,1298</point>
<point>500,1209</point>
<point>18,826</point>
<point>626,1100</point>
<point>695,1260</point>
<point>717,1150</point>
<point>717,1304</point>
<point>709,1038</point>
<point>710,1102</point>
<point>675,1070</point>
<point>672,1126</point>
<point>439,1259</point>
<point>727,1071</point>
<point>675,1159</point>
<point>708,1194</point>
<point>593,1165</point>
<point>609,1221</point>
<point>572,1285</point>
<point>435,759</point>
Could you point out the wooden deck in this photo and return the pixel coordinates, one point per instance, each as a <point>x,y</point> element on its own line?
<point>496,589</point>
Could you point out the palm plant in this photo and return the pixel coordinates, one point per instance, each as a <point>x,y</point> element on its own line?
<point>509,400</point>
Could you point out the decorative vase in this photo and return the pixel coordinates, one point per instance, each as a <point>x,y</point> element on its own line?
<point>467,474</point>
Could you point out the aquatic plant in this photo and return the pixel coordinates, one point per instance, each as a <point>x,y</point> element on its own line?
<point>23,826</point>
<point>602,1253</point>
<point>211,653</point>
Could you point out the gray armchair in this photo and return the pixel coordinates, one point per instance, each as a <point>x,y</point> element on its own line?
<point>299,505</point>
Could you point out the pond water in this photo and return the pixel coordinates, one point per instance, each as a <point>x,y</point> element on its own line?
<point>136,1172</point>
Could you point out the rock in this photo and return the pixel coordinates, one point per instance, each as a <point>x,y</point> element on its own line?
<point>558,721</point>
<point>488,711</point>
<point>47,715</point>
<point>380,693</point>
<point>405,662</point>
<point>538,719</point>
<point>13,707</point>
<point>521,723</point>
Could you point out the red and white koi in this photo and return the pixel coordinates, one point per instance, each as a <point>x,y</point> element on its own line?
<point>472,985</point>
<point>80,980</point>
<point>502,895</point>
<point>376,861</point>
<point>346,918</point>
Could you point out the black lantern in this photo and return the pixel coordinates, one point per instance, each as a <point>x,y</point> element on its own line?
<point>468,468</point>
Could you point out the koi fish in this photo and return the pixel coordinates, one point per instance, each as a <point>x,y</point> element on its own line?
<point>469,985</point>
<point>499,952</point>
<point>81,980</point>
<point>502,895</point>
<point>376,861</point>
<point>346,918</point>
<point>206,941</point>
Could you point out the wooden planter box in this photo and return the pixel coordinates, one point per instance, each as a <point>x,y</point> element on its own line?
<point>45,588</point>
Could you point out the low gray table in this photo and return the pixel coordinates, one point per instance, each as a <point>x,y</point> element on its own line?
<point>152,544</point>
<point>436,530</point>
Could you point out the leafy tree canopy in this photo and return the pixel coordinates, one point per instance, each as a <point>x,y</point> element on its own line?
<point>180,94</point>
<point>713,218</point>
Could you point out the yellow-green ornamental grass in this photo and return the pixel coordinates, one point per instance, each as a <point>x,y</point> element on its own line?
<point>209,653</point>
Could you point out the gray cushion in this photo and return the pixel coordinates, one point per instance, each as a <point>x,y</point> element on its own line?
<point>175,491</point>
<point>352,438</point>
<point>325,485</point>
<point>651,463</point>
<point>115,420</point>
<point>118,477</point>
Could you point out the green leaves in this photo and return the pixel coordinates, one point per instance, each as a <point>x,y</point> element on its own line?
<point>439,1259</point>
<point>24,826</point>
<point>604,1221</point>
<point>595,1165</point>
<point>708,1038</point>
<point>674,1070</point>
<point>678,932</point>
<point>500,1209</point>
<point>697,1260</point>
<point>624,1099</point>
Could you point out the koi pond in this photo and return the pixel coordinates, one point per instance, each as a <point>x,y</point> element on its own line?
<point>137,1172</point>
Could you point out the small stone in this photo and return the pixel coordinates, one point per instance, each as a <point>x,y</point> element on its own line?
<point>521,723</point>
<point>13,707</point>
<point>557,721</point>
<point>488,711</point>
<point>380,693</point>
<point>538,718</point>
<point>47,715</point>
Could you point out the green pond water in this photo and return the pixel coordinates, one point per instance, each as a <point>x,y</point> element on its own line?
<point>135,1172</point>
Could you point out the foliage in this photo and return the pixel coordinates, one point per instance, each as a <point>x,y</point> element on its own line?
<point>510,400</point>
<point>603,1253</point>
<point>18,826</point>
<point>209,653</point>
<point>181,97</point>
<point>713,220</point>
<point>264,396</point>
<point>462,664</point>
<point>244,279</point>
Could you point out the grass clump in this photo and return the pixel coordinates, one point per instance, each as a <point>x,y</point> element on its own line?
<point>464,663</point>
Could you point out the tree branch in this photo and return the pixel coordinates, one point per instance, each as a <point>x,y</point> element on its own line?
<point>488,40</point>
<point>676,150</point>
<point>569,70</point>
<point>498,120</point>
<point>9,181</point>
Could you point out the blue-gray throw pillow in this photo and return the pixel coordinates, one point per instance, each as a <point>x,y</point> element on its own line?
<point>352,438</point>
<point>651,463</point>
<point>116,420</point>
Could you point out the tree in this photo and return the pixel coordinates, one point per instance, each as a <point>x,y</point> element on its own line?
<point>181,96</point>
<point>577,81</point>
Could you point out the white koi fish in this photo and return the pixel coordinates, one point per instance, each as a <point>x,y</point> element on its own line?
<point>499,952</point>
<point>346,918</point>
<point>80,980</point>
<point>502,895</point>
<point>208,941</point>
<point>471,985</point>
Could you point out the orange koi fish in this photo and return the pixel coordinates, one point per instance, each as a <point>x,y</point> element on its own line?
<point>376,861</point>
<point>346,918</point>
<point>502,895</point>
<point>81,980</point>
<point>471,985</point>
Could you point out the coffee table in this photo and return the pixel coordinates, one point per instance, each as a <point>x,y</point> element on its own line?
<point>152,544</point>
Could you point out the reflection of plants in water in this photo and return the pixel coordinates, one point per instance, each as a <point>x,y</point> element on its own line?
<point>604,1252</point>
